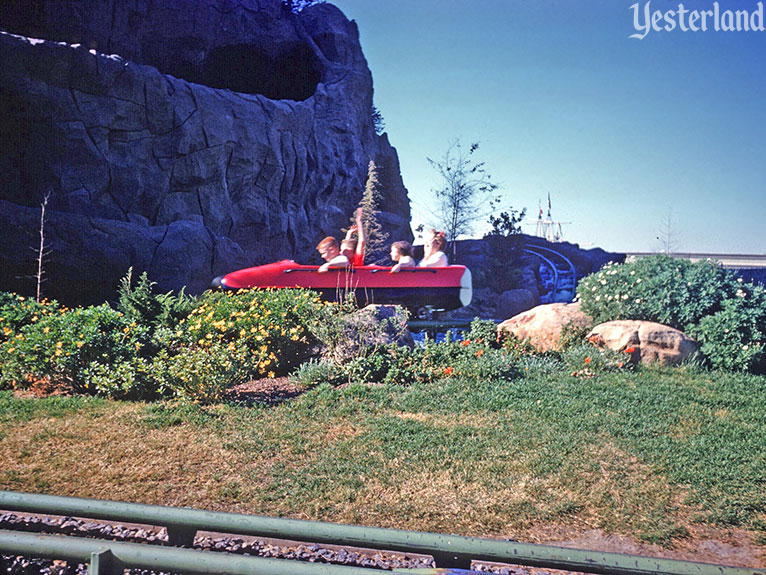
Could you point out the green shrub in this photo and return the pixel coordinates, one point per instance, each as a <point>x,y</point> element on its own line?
<point>724,314</point>
<point>145,307</point>
<point>133,378</point>
<point>573,335</point>
<point>480,364</point>
<point>515,348</point>
<point>315,372</point>
<point>202,374</point>
<point>59,347</point>
<point>475,359</point>
<point>588,360</point>
<point>484,332</point>
<point>734,338</point>
<point>267,329</point>
<point>17,311</point>
<point>659,288</point>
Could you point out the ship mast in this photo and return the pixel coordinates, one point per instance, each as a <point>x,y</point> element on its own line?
<point>548,228</point>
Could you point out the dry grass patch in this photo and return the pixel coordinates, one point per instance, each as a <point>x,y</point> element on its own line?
<point>445,421</point>
<point>115,457</point>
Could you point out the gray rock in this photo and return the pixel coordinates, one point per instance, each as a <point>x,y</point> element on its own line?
<point>186,139</point>
<point>371,326</point>
<point>513,302</point>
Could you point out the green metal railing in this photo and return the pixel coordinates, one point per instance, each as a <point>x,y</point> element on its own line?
<point>108,557</point>
<point>448,551</point>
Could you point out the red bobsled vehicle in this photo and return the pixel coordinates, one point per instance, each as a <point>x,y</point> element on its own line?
<point>418,289</point>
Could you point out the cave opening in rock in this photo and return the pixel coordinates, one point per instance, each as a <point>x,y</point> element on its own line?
<point>292,74</point>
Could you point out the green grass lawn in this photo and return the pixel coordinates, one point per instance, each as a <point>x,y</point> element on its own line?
<point>654,454</point>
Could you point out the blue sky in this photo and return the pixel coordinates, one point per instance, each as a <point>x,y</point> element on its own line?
<point>625,134</point>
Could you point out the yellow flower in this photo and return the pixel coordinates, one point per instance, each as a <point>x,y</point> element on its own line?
<point>270,374</point>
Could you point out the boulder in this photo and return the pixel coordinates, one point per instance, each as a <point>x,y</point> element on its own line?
<point>645,341</point>
<point>184,138</point>
<point>542,325</point>
<point>373,325</point>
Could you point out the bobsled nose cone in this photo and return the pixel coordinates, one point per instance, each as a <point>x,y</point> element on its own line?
<point>216,283</point>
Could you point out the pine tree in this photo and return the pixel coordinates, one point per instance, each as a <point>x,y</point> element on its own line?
<point>376,238</point>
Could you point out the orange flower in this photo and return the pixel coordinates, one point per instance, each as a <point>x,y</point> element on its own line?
<point>466,342</point>
<point>448,370</point>
<point>480,353</point>
<point>587,360</point>
<point>630,349</point>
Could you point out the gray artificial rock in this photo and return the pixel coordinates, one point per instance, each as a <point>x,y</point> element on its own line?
<point>513,302</point>
<point>187,139</point>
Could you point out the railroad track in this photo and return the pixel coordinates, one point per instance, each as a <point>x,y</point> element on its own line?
<point>557,275</point>
<point>55,535</point>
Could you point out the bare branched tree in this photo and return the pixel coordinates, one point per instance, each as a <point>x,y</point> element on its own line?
<point>466,194</point>
<point>667,234</point>
<point>42,252</point>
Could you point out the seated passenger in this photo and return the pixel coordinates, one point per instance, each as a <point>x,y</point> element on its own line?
<point>330,252</point>
<point>353,244</point>
<point>401,253</point>
<point>433,254</point>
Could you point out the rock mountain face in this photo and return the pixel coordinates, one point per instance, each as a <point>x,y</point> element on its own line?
<point>186,138</point>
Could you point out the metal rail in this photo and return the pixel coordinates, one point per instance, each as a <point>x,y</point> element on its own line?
<point>558,274</point>
<point>731,261</point>
<point>553,269</point>
<point>112,557</point>
<point>450,551</point>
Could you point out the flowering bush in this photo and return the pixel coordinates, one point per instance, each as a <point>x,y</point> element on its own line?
<point>200,374</point>
<point>670,291</point>
<point>710,304</point>
<point>59,347</point>
<point>130,378</point>
<point>477,358</point>
<point>148,352</point>
<point>17,311</point>
<point>584,360</point>
<point>266,329</point>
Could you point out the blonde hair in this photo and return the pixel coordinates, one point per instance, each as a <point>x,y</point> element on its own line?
<point>348,245</point>
<point>329,241</point>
